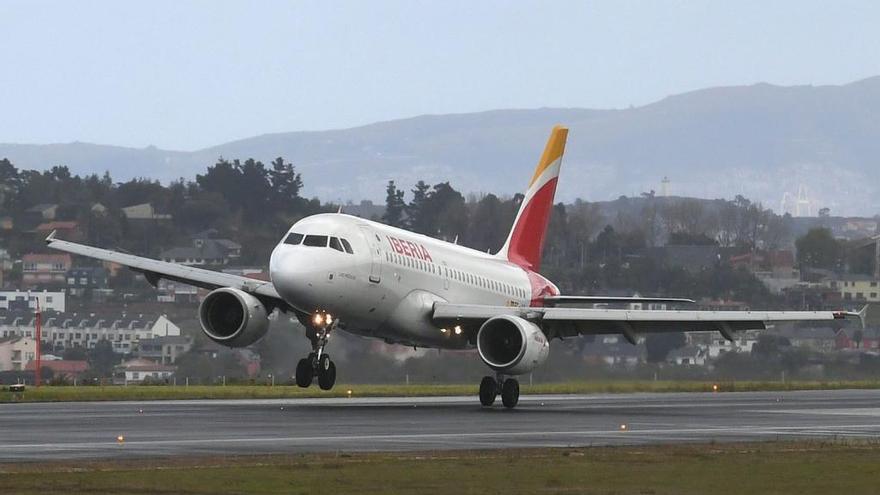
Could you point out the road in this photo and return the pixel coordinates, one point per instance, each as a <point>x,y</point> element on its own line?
<point>65,431</point>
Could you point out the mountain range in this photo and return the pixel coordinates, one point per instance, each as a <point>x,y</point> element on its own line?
<point>761,141</point>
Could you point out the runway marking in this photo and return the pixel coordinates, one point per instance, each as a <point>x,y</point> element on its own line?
<point>863,411</point>
<point>815,430</point>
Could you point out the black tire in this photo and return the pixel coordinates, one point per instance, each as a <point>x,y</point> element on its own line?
<point>510,393</point>
<point>327,377</point>
<point>488,391</point>
<point>324,363</point>
<point>305,372</point>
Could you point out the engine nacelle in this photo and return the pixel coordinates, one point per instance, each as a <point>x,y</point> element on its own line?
<point>512,345</point>
<point>233,318</point>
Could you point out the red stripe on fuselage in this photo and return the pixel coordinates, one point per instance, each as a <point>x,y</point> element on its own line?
<point>527,238</point>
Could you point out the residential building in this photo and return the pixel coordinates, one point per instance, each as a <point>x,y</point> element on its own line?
<point>847,339</point>
<point>688,356</point>
<point>164,350</point>
<point>66,369</point>
<point>19,300</point>
<point>83,280</point>
<point>143,211</point>
<point>169,291</point>
<point>139,369</point>
<point>66,330</point>
<point>205,251</point>
<point>861,288</point>
<point>5,260</point>
<point>40,213</point>
<point>715,345</point>
<point>812,296</point>
<point>775,268</point>
<point>45,270</point>
<point>819,339</point>
<point>16,352</point>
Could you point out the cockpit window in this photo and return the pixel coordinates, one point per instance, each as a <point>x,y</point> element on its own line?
<point>293,238</point>
<point>315,241</point>
<point>334,243</point>
<point>347,246</point>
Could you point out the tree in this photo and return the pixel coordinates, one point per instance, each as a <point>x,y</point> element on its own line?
<point>9,184</point>
<point>446,214</point>
<point>286,184</point>
<point>394,205</point>
<point>488,227</point>
<point>819,249</point>
<point>102,359</point>
<point>858,336</point>
<point>419,219</point>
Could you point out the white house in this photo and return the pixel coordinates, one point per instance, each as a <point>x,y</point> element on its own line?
<point>139,369</point>
<point>66,330</point>
<point>16,353</point>
<point>49,301</point>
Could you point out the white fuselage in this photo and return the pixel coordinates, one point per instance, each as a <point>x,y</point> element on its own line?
<point>387,285</point>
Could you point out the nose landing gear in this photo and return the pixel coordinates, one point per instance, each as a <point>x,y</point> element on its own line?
<point>491,387</point>
<point>318,363</point>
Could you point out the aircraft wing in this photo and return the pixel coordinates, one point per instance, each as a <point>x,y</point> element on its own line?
<point>556,300</point>
<point>154,270</point>
<point>565,322</point>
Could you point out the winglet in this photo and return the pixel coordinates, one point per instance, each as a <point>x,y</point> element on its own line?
<point>51,237</point>
<point>861,315</point>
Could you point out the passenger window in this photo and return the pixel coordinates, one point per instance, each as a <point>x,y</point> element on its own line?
<point>293,239</point>
<point>347,246</point>
<point>335,244</point>
<point>315,241</point>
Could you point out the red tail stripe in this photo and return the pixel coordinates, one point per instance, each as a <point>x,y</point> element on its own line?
<point>527,238</point>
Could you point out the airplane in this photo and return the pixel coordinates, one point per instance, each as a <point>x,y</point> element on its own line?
<point>339,272</point>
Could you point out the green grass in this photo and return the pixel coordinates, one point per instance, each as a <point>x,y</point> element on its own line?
<point>781,467</point>
<point>148,392</point>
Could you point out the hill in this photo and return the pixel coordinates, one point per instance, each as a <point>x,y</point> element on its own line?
<point>759,141</point>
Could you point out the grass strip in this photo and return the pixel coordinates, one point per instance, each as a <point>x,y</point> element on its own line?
<point>162,392</point>
<point>802,467</point>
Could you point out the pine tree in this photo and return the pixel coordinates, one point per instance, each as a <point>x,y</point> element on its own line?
<point>394,205</point>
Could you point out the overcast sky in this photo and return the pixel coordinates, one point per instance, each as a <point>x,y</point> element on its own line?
<point>190,74</point>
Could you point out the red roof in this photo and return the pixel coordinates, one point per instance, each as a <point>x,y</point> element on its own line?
<point>61,366</point>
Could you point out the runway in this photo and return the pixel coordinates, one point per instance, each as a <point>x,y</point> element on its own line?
<point>64,431</point>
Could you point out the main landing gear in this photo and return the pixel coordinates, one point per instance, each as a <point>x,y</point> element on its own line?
<point>318,363</point>
<point>491,387</point>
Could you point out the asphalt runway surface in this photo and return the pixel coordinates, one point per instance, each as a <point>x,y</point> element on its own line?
<point>65,431</point>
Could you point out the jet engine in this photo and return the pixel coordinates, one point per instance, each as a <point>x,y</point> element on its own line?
<point>233,318</point>
<point>512,345</point>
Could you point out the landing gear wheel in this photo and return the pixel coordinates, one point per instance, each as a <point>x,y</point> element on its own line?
<point>510,393</point>
<point>327,376</point>
<point>305,372</point>
<point>488,391</point>
<point>323,364</point>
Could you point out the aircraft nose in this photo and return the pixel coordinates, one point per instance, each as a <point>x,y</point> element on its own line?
<point>285,272</point>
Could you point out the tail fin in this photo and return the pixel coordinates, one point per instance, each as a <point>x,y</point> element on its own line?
<point>526,239</point>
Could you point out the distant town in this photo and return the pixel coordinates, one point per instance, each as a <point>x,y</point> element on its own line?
<point>102,323</point>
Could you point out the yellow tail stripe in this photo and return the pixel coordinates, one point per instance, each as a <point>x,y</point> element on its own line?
<point>552,152</point>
